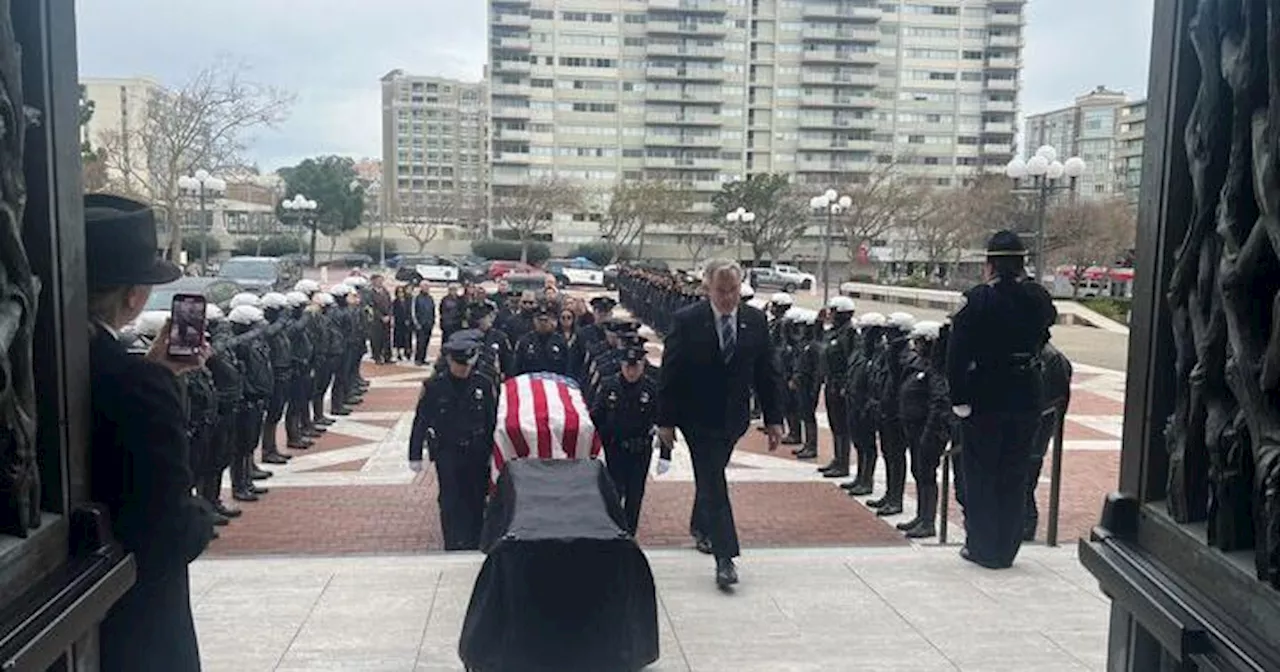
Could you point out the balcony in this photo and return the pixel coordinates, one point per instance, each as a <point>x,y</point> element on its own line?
<point>512,113</point>
<point>504,89</point>
<point>513,43</point>
<point>684,73</point>
<point>1000,106</point>
<point>840,34</point>
<point>827,166</point>
<point>714,29</point>
<point>513,20</point>
<point>513,67</point>
<point>1001,127</point>
<point>997,148</point>
<point>1012,41</point>
<point>840,56</point>
<point>683,118</point>
<point>836,145</point>
<point>508,179</point>
<point>686,50</point>
<point>664,140</point>
<point>521,135</point>
<point>1002,84</point>
<point>829,78</point>
<point>518,158</point>
<point>681,162</point>
<point>1005,19</point>
<point>835,10</point>
<point>701,6</point>
<point>834,121</point>
<point>1002,64</point>
<point>820,100</point>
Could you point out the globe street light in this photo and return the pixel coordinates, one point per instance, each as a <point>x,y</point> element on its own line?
<point>302,207</point>
<point>1045,174</point>
<point>202,185</point>
<point>832,203</point>
<point>741,215</point>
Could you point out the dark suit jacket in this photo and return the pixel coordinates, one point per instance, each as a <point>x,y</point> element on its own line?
<point>139,464</point>
<point>698,392</point>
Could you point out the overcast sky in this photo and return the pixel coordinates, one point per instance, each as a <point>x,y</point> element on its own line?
<point>332,54</point>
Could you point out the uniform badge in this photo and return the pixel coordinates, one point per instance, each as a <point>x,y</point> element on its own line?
<point>480,395</point>
<point>613,397</point>
<point>555,348</point>
<point>644,397</point>
<point>920,376</point>
<point>494,346</point>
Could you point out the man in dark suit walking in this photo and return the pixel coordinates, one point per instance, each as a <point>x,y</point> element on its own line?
<point>717,352</point>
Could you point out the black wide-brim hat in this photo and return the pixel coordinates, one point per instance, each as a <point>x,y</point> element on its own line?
<point>1005,244</point>
<point>120,243</point>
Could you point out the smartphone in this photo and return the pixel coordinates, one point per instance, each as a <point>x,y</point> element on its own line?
<point>186,325</point>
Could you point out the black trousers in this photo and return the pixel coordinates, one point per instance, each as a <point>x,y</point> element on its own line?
<point>275,411</point>
<point>1045,430</point>
<point>380,341</point>
<point>248,431</point>
<point>221,446</point>
<point>997,446</point>
<point>862,432</point>
<point>629,471</point>
<point>420,348</point>
<point>463,473</point>
<point>712,513</point>
<point>926,455</point>
<point>296,413</point>
<point>341,381</point>
<point>838,421</point>
<point>807,397</point>
<point>893,445</point>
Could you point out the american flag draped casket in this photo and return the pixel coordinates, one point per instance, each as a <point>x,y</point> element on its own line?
<point>542,415</point>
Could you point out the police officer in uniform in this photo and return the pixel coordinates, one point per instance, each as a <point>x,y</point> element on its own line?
<point>863,405</point>
<point>625,412</point>
<point>806,380</point>
<point>274,308</point>
<point>589,335</point>
<point>297,426</point>
<point>455,419</point>
<point>543,349</point>
<point>893,439</point>
<point>925,411</point>
<point>254,359</point>
<point>838,343</point>
<point>994,375</point>
<point>229,393</point>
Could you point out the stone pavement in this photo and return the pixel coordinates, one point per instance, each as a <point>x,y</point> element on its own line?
<point>825,610</point>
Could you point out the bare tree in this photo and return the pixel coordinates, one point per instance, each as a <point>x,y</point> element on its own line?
<point>202,124</point>
<point>424,224</point>
<point>882,200</point>
<point>698,236</point>
<point>526,210</point>
<point>1085,233</point>
<point>953,220</point>
<point>635,205</point>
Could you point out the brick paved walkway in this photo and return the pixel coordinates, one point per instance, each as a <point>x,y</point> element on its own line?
<point>353,492</point>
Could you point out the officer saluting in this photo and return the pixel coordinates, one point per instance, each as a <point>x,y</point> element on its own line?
<point>625,413</point>
<point>455,419</point>
<point>993,370</point>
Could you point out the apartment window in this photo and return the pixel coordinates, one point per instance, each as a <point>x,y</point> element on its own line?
<point>975,33</point>
<point>945,11</point>
<point>942,76</point>
<point>574,16</point>
<point>967,140</point>
<point>633,41</point>
<point>601,17</point>
<point>942,33</point>
<point>970,76</point>
<point>637,17</point>
<point>972,55</point>
<point>545,14</point>
<point>541,83</point>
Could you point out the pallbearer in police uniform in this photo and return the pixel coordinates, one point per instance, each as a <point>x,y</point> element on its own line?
<point>625,413</point>
<point>542,349</point>
<point>993,370</point>
<point>455,420</point>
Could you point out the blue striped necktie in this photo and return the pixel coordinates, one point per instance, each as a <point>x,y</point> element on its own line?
<point>727,340</point>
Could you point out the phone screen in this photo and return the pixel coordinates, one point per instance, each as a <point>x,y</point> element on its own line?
<point>186,328</point>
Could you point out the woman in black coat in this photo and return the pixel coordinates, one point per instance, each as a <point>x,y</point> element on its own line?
<point>139,457</point>
<point>402,312</point>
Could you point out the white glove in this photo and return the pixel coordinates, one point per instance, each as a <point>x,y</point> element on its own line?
<point>962,411</point>
<point>415,465</point>
<point>663,467</point>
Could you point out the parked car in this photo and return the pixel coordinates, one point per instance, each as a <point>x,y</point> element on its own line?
<point>261,274</point>
<point>575,272</point>
<point>474,269</point>
<point>501,267</point>
<point>611,276</point>
<point>349,260</point>
<point>416,268</point>
<point>521,281</point>
<point>781,276</point>
<point>217,291</point>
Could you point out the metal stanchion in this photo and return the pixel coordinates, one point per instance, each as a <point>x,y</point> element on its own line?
<point>944,497</point>
<point>1055,477</point>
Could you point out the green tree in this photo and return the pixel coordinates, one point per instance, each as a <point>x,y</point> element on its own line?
<point>95,176</point>
<point>331,182</point>
<point>635,205</point>
<point>526,210</point>
<point>781,215</point>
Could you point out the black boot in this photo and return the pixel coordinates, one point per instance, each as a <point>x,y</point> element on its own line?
<point>889,509</point>
<point>225,510</point>
<point>922,530</point>
<point>841,463</point>
<point>259,474</point>
<point>858,489</point>
<point>906,525</point>
<point>807,453</point>
<point>271,454</point>
<point>240,480</point>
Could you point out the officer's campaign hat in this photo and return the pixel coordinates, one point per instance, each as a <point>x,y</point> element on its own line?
<point>603,304</point>
<point>462,348</point>
<point>544,309</point>
<point>1006,244</point>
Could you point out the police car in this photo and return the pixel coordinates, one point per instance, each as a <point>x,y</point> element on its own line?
<point>415,269</point>
<point>576,272</point>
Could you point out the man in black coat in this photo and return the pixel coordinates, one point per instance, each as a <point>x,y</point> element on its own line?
<point>423,314</point>
<point>716,354</point>
<point>139,461</point>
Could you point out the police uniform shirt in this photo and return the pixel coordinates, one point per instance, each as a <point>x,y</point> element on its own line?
<point>994,347</point>
<point>542,352</point>
<point>453,414</point>
<point>626,413</point>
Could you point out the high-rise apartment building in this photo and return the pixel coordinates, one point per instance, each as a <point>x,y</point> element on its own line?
<point>1131,130</point>
<point>119,114</point>
<point>434,133</point>
<point>1086,129</point>
<point>706,91</point>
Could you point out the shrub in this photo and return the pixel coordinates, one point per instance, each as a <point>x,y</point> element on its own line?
<point>601,252</point>
<point>373,247</point>
<point>1116,308</point>
<point>191,245</point>
<point>271,246</point>
<point>509,250</point>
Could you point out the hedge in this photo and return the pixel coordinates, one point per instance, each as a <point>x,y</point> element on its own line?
<point>272,246</point>
<point>373,247</point>
<point>509,250</point>
<point>191,245</point>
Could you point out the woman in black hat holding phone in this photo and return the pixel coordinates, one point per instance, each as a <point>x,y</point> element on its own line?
<point>139,453</point>
<point>993,371</point>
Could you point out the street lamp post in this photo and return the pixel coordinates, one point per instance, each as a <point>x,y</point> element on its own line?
<point>1046,175</point>
<point>302,206</point>
<point>833,204</point>
<point>203,185</point>
<point>743,216</point>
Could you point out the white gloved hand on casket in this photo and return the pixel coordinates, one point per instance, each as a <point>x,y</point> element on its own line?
<point>415,465</point>
<point>664,465</point>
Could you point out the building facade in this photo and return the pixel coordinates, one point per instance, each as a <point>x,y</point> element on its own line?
<point>434,135</point>
<point>1131,130</point>
<point>119,113</point>
<point>1086,129</point>
<point>706,91</point>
